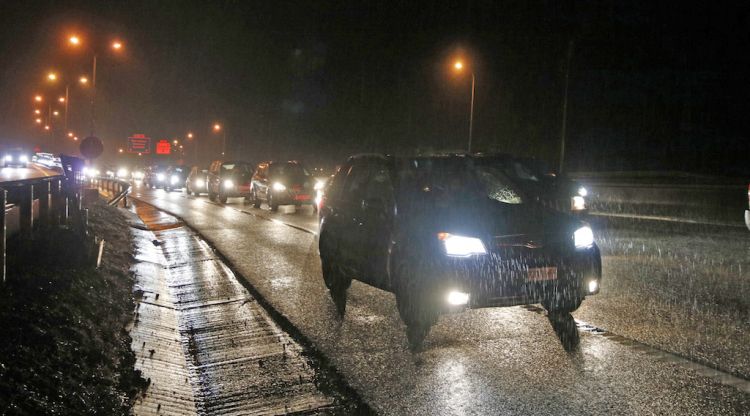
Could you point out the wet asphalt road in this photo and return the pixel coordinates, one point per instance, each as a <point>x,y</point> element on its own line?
<point>489,361</point>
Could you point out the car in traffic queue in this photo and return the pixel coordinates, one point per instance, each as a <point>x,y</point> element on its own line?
<point>197,181</point>
<point>16,157</point>
<point>155,177</point>
<point>283,183</point>
<point>175,178</point>
<point>229,180</point>
<point>446,233</point>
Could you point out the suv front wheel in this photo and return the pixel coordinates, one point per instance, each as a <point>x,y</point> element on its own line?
<point>417,299</point>
<point>337,284</point>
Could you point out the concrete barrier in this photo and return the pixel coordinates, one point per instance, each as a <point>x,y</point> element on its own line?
<point>671,196</point>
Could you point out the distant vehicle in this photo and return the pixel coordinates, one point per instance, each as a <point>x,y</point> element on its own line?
<point>197,181</point>
<point>446,233</point>
<point>283,183</point>
<point>229,180</point>
<point>155,177</point>
<point>48,160</point>
<point>747,211</point>
<point>175,177</point>
<point>16,157</point>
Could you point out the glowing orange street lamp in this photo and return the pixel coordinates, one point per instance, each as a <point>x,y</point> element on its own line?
<point>70,134</point>
<point>46,127</point>
<point>55,113</point>
<point>175,141</point>
<point>120,150</point>
<point>52,76</point>
<point>117,45</point>
<point>74,40</point>
<point>83,80</point>
<point>38,121</point>
<point>75,138</point>
<point>37,111</point>
<point>38,98</point>
<point>190,135</point>
<point>61,99</point>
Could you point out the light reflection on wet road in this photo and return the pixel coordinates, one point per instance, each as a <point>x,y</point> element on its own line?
<point>489,361</point>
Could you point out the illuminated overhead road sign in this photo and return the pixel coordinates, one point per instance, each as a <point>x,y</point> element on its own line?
<point>163,147</point>
<point>139,143</point>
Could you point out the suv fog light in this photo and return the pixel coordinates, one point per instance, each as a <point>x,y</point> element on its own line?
<point>228,184</point>
<point>457,298</point>
<point>593,286</point>
<point>199,183</point>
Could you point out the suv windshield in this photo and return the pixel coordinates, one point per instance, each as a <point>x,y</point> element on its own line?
<point>454,179</point>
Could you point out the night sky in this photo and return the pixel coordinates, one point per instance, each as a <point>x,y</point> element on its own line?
<point>653,86</point>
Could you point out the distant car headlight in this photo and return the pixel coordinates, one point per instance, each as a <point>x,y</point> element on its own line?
<point>459,246</point>
<point>138,175</point>
<point>277,186</point>
<point>319,185</point>
<point>199,183</point>
<point>583,237</point>
<point>160,177</point>
<point>228,184</point>
<point>582,191</point>
<point>109,173</point>
<point>8,158</point>
<point>122,173</point>
<point>577,203</point>
<point>173,180</point>
<point>23,159</point>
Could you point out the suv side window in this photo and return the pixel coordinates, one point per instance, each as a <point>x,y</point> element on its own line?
<point>380,185</point>
<point>337,182</point>
<point>356,182</point>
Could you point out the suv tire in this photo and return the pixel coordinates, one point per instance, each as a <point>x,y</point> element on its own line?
<point>416,299</point>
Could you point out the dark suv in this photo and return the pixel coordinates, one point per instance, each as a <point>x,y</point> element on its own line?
<point>446,233</point>
<point>228,180</point>
<point>283,183</point>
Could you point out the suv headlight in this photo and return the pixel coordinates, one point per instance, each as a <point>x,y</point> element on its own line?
<point>122,172</point>
<point>459,246</point>
<point>583,237</point>
<point>228,183</point>
<point>173,180</point>
<point>277,186</point>
<point>577,203</point>
<point>160,176</point>
<point>8,158</point>
<point>23,159</point>
<point>199,183</point>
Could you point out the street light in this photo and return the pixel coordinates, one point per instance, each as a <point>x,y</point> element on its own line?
<point>83,80</point>
<point>38,98</point>
<point>61,99</point>
<point>52,76</point>
<point>75,41</point>
<point>190,135</point>
<point>459,66</point>
<point>37,111</point>
<point>38,121</point>
<point>219,128</point>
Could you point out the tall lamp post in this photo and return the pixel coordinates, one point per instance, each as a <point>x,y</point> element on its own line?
<point>459,66</point>
<point>115,46</point>
<point>219,128</point>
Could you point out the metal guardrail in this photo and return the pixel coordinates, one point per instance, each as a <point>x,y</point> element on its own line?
<point>38,203</point>
<point>117,187</point>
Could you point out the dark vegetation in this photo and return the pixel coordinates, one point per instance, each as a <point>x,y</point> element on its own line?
<point>64,348</point>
